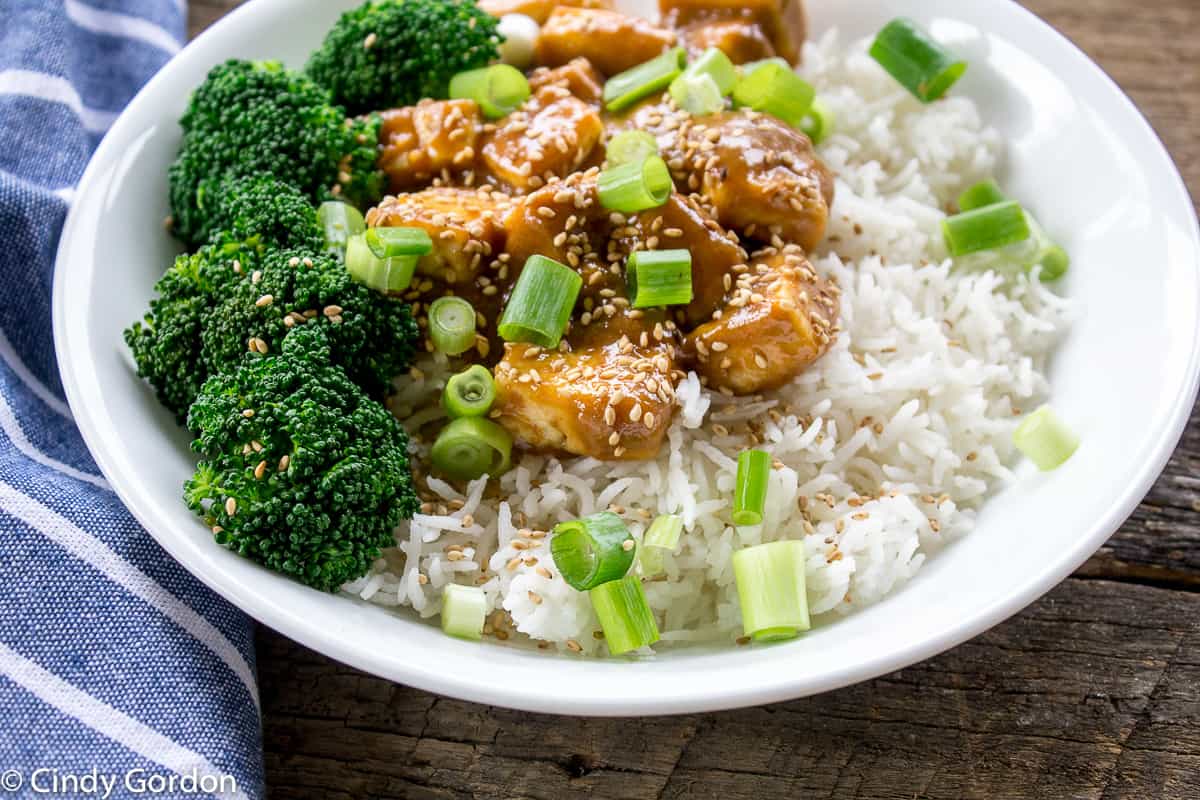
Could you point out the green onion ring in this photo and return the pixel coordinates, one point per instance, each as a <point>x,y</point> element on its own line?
<point>592,550</point>
<point>470,393</point>
<point>471,447</point>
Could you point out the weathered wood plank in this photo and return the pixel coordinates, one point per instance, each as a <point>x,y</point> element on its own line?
<point>1089,694</point>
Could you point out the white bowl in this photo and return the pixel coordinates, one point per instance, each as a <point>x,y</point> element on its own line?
<point>1080,153</point>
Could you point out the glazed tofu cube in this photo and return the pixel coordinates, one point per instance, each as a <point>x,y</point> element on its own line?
<point>547,138</point>
<point>465,226</point>
<point>780,318</point>
<point>682,224</point>
<point>743,41</point>
<point>611,41</point>
<point>609,400</point>
<point>539,10</point>
<point>782,22</point>
<point>760,175</point>
<point>578,77</point>
<point>421,142</point>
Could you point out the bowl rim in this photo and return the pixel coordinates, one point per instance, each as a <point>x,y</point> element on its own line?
<point>427,677</point>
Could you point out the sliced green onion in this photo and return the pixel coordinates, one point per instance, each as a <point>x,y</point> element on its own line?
<point>716,65</point>
<point>750,492</point>
<point>745,69</point>
<point>661,536</point>
<point>540,305</point>
<point>916,61</point>
<point>1045,440</point>
<point>463,611</point>
<point>626,88</point>
<point>392,242</point>
<point>381,274</point>
<point>592,550</point>
<point>340,221</point>
<point>625,616</point>
<point>981,195</point>
<point>1039,248</point>
<point>659,278</point>
<point>698,95</point>
<point>771,590</point>
<point>818,122</point>
<point>499,89</point>
<point>452,325</point>
<point>471,447</point>
<point>470,393</point>
<point>636,186</point>
<point>630,147</point>
<point>1053,258</point>
<point>775,89</point>
<point>988,228</point>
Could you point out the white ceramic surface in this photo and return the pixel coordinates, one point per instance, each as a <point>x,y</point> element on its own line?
<point>1081,154</point>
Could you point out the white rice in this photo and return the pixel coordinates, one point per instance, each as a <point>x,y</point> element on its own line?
<point>890,443</point>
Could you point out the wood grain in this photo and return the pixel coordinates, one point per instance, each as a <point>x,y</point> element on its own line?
<point>1093,692</point>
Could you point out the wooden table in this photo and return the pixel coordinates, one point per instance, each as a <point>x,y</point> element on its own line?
<point>1092,692</point>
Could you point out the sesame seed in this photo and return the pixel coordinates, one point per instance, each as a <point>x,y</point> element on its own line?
<point>283,463</point>
<point>369,42</point>
<point>455,555</point>
<point>719,347</point>
<point>260,470</point>
<point>248,413</point>
<point>230,506</point>
<point>574,646</point>
<point>628,545</point>
<point>534,597</point>
<point>265,300</point>
<point>332,311</point>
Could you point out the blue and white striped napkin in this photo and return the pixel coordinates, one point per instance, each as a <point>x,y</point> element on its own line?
<point>120,674</point>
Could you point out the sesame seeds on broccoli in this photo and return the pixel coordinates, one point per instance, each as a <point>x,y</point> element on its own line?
<point>370,334</point>
<point>300,471</point>
<point>388,53</point>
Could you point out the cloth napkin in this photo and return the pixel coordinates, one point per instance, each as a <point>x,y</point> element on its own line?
<point>121,675</point>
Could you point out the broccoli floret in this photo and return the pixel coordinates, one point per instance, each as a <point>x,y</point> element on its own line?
<point>371,334</point>
<point>166,343</point>
<point>254,118</point>
<point>389,53</point>
<point>234,298</point>
<point>263,209</point>
<point>300,470</point>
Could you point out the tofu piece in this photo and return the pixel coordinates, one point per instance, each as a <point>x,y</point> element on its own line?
<point>551,136</point>
<point>683,224</point>
<point>611,41</point>
<point>780,318</point>
<point>561,221</point>
<point>466,226</point>
<point>761,176</point>
<point>742,40</point>
<point>603,396</point>
<point>539,10</point>
<point>420,142</point>
<point>781,22</point>
<point>578,77</point>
